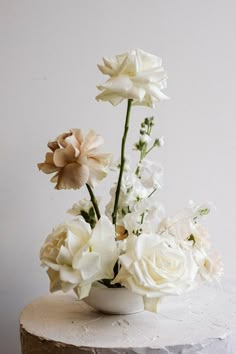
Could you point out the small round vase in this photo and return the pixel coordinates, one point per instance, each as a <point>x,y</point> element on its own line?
<point>114,301</point>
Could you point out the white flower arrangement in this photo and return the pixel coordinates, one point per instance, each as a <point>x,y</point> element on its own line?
<point>133,244</point>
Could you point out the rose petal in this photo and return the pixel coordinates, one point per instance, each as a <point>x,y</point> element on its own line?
<point>91,141</point>
<point>64,156</point>
<point>73,176</point>
<point>55,283</point>
<point>151,304</point>
<point>48,165</point>
<point>67,274</point>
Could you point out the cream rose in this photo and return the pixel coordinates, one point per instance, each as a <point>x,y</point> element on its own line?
<point>135,75</point>
<point>154,266</point>
<point>76,160</point>
<point>76,256</point>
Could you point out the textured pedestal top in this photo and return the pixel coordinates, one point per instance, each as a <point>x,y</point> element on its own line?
<point>203,321</point>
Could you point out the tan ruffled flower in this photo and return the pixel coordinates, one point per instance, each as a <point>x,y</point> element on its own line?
<point>76,160</point>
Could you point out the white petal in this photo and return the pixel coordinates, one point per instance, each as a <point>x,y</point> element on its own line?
<point>109,96</point>
<point>145,244</point>
<point>84,290</point>
<point>67,274</point>
<point>118,84</point>
<point>74,242</point>
<point>154,91</point>
<point>151,304</point>
<point>105,70</point>
<point>88,265</point>
<point>64,256</point>
<point>51,265</point>
<point>103,236</point>
<point>78,235</point>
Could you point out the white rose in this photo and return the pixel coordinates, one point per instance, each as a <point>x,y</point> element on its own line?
<point>76,256</point>
<point>134,75</point>
<point>154,266</point>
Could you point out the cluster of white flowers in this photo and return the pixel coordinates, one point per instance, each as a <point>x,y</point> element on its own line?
<point>135,245</point>
<point>168,257</point>
<point>172,260</point>
<point>138,209</point>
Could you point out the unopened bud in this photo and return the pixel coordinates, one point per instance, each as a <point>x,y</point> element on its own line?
<point>159,142</point>
<point>142,131</point>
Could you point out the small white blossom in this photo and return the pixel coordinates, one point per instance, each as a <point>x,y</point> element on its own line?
<point>151,174</point>
<point>82,205</point>
<point>132,192</point>
<point>161,141</point>
<point>145,138</point>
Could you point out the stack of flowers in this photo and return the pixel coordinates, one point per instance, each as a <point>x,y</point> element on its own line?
<point>132,244</point>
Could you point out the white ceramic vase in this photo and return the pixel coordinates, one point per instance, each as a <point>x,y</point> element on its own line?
<point>114,301</point>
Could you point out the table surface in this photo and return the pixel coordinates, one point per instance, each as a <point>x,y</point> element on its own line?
<point>201,321</point>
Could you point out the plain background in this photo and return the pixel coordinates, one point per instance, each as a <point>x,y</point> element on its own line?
<point>48,77</point>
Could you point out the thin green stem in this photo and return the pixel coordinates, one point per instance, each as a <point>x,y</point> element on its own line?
<point>154,190</point>
<point>142,217</point>
<point>94,201</point>
<point>147,152</point>
<point>122,162</point>
<point>142,156</point>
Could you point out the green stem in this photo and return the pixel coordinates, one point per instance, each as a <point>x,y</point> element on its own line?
<point>142,156</point>
<point>94,201</point>
<point>154,190</point>
<point>122,163</point>
<point>142,217</point>
<point>147,152</point>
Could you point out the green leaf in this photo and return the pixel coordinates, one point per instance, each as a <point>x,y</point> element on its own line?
<point>91,213</point>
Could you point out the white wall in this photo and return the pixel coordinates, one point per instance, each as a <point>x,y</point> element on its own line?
<point>48,76</point>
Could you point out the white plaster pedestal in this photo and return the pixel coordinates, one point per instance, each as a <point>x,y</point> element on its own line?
<point>201,322</point>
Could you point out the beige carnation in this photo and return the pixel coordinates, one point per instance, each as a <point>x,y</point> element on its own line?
<point>76,160</point>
